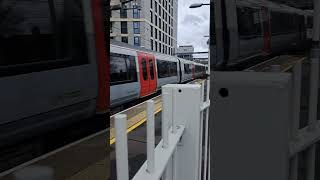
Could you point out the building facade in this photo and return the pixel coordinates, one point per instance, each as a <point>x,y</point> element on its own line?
<point>186,52</point>
<point>151,24</point>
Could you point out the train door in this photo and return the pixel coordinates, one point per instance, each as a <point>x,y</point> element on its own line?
<point>152,73</point>
<point>148,80</point>
<point>193,71</point>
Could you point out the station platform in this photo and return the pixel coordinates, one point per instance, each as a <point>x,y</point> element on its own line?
<point>285,63</point>
<point>82,160</point>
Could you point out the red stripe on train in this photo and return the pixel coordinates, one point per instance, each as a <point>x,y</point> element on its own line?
<point>103,98</point>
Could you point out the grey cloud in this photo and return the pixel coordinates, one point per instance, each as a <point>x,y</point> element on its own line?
<point>193,24</point>
<point>191,19</point>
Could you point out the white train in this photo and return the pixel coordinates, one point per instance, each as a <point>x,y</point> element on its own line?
<point>136,72</point>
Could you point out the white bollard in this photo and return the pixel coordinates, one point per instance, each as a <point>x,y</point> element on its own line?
<point>121,147</point>
<point>150,136</point>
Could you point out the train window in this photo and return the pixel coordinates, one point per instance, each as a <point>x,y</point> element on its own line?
<point>151,69</point>
<point>249,24</point>
<point>123,69</point>
<point>282,23</point>
<point>187,69</point>
<point>41,35</point>
<point>173,70</point>
<point>144,69</point>
<point>166,69</point>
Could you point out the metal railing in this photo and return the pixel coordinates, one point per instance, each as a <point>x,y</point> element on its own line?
<point>182,152</point>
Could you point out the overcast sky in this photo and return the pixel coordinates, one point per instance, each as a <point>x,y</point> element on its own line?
<point>193,24</point>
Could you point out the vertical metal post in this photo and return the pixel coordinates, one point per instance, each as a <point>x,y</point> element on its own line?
<point>201,131</point>
<point>165,117</point>
<point>314,80</point>
<point>150,136</point>
<point>206,150</point>
<point>174,114</point>
<point>296,95</point>
<point>121,147</point>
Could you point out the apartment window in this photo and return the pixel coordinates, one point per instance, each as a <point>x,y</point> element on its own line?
<point>151,31</point>
<point>136,41</point>
<point>156,45</point>
<point>163,25</point>
<point>151,44</point>
<point>151,15</point>
<point>160,23</point>
<point>136,13</point>
<point>163,37</point>
<point>159,11</point>
<point>124,39</point>
<point>151,4</point>
<point>155,20</point>
<point>136,27</point>
<point>123,12</point>
<point>155,33</point>
<point>160,46</point>
<point>160,35</point>
<point>124,27</point>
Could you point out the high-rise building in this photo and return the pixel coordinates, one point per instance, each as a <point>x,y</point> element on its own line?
<point>151,24</point>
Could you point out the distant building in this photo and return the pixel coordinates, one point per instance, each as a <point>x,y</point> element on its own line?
<point>151,24</point>
<point>186,52</point>
<point>201,60</point>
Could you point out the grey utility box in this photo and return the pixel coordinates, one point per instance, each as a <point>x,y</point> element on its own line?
<point>249,122</point>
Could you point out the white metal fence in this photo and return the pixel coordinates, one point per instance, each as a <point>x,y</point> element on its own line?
<point>183,150</point>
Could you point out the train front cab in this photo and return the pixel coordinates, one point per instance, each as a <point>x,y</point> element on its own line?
<point>147,74</point>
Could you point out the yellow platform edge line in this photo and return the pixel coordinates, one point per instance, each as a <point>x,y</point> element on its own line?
<point>135,126</point>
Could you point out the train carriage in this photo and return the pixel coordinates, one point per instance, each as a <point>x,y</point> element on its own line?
<point>54,66</point>
<point>137,72</point>
<point>247,30</point>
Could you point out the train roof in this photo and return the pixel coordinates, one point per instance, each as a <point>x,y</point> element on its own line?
<point>273,6</point>
<point>157,54</point>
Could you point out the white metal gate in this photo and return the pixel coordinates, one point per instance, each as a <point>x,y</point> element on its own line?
<point>183,151</point>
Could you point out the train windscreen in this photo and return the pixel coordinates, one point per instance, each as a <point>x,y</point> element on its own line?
<point>40,35</point>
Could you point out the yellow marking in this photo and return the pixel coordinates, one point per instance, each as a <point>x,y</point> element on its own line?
<point>135,126</point>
